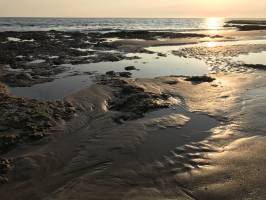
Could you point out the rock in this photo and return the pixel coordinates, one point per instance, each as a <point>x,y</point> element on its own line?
<point>37,135</point>
<point>133,102</point>
<point>125,74</point>
<point>3,180</point>
<point>130,68</point>
<point>148,35</point>
<point>68,104</point>
<point>36,77</point>
<point>200,79</point>
<point>24,75</point>
<point>110,73</point>
<point>5,166</point>
<point>3,128</point>
<point>133,58</point>
<point>88,73</point>
<point>8,140</point>
<point>129,89</point>
<point>29,119</point>
<point>256,66</point>
<point>113,58</point>
<point>58,61</point>
<point>251,27</point>
<point>172,82</point>
<point>216,36</point>
<point>161,54</point>
<point>247,25</point>
<point>71,109</point>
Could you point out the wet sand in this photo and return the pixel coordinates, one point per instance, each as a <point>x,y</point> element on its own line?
<point>170,137</point>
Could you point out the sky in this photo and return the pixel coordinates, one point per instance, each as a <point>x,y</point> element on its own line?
<point>133,8</point>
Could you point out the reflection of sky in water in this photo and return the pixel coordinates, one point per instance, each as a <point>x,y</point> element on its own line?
<point>150,66</point>
<point>253,58</point>
<point>54,90</point>
<point>205,44</point>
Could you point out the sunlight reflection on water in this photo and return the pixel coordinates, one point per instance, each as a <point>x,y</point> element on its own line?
<point>150,65</point>
<point>214,23</point>
<point>252,58</point>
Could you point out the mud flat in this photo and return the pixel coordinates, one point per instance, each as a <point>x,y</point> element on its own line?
<point>220,57</point>
<point>106,117</point>
<point>124,137</point>
<point>110,143</point>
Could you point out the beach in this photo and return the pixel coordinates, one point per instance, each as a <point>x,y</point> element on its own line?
<point>133,114</point>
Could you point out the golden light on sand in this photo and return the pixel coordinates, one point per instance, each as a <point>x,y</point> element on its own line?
<point>212,44</point>
<point>214,23</point>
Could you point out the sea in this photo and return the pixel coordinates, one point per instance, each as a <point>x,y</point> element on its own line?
<point>110,24</point>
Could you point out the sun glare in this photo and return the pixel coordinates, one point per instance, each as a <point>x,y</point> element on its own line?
<point>212,44</point>
<point>214,23</point>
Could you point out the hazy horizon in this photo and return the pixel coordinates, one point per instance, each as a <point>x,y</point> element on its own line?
<point>133,9</point>
<point>51,17</point>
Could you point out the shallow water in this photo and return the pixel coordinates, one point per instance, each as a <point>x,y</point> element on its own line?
<point>160,142</point>
<point>165,49</point>
<point>252,58</point>
<point>150,66</point>
<point>54,90</point>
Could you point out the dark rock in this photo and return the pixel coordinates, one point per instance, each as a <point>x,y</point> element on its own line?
<point>111,73</point>
<point>112,58</point>
<point>58,62</point>
<point>250,27</point>
<point>29,119</point>
<point>128,89</point>
<point>3,128</point>
<point>88,73</point>
<point>5,166</point>
<point>125,74</point>
<point>24,75</point>
<point>149,35</point>
<point>3,180</point>
<point>172,82</point>
<point>8,140</point>
<point>130,68</point>
<point>216,36</point>
<point>133,102</point>
<point>258,22</point>
<point>161,54</point>
<point>200,79</point>
<point>256,66</point>
<point>247,25</point>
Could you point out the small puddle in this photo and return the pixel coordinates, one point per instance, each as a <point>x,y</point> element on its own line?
<point>55,90</point>
<point>161,141</point>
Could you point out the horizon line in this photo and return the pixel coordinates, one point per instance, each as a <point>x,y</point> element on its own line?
<point>46,17</point>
